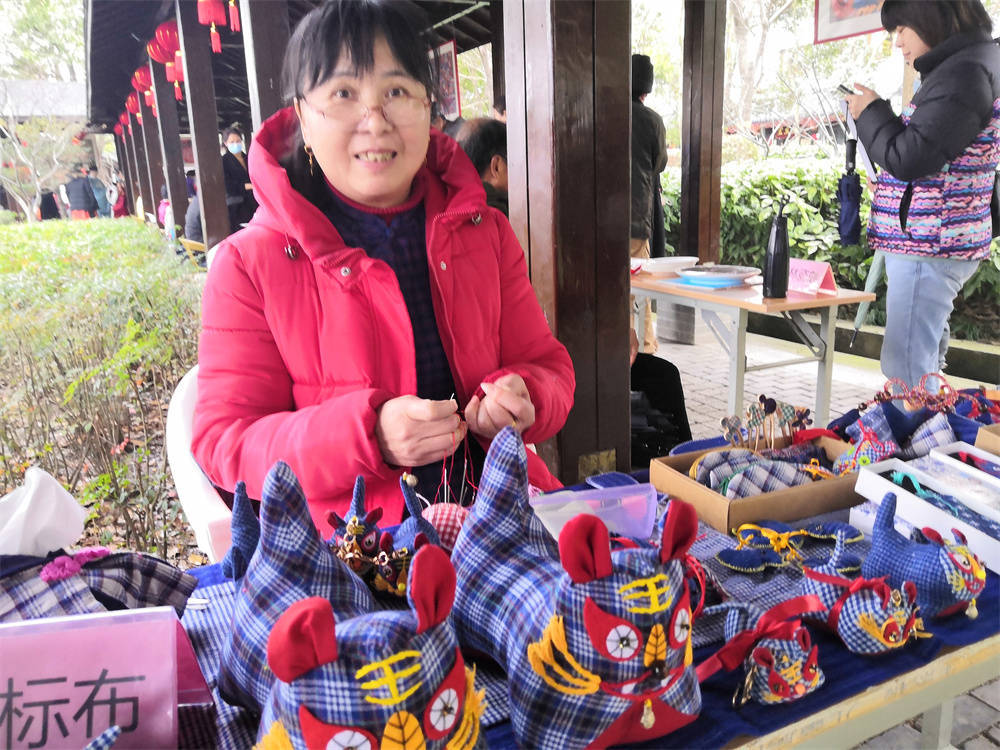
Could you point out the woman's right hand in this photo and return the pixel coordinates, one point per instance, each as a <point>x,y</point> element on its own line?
<point>414,431</point>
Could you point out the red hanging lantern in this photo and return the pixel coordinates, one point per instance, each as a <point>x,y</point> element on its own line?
<point>157,53</point>
<point>213,13</point>
<point>148,96</point>
<point>142,79</point>
<point>118,129</point>
<point>170,42</point>
<point>132,103</point>
<point>123,119</point>
<point>234,17</point>
<point>179,66</point>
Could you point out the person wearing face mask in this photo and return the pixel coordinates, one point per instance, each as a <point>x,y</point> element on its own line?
<point>930,213</point>
<point>375,317</point>
<point>239,191</point>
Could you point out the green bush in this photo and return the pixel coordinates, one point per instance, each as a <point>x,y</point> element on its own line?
<point>750,196</point>
<point>99,322</point>
<point>7,217</point>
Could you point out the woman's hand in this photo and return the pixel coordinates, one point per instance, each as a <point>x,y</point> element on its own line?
<point>414,431</point>
<point>857,103</point>
<point>507,402</point>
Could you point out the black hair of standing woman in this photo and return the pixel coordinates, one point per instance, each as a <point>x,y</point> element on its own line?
<point>936,20</point>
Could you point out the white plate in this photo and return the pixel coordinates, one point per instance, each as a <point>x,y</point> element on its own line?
<point>670,264</point>
<point>718,272</point>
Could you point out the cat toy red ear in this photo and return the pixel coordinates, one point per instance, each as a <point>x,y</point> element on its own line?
<point>585,549</point>
<point>302,639</point>
<point>431,588</point>
<point>679,530</point>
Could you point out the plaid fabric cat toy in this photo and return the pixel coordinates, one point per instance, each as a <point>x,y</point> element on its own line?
<point>948,576</point>
<point>780,663</point>
<point>390,679</point>
<point>596,643</point>
<point>867,615</point>
<point>291,563</point>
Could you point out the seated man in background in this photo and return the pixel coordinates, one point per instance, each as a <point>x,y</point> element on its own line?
<point>485,142</point>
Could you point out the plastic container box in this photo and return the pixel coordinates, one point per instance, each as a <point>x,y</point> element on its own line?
<point>626,511</point>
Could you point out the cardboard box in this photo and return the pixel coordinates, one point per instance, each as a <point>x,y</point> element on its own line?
<point>915,512</point>
<point>988,438</point>
<point>669,475</point>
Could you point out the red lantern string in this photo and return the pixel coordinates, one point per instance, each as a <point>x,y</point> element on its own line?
<point>234,17</point>
<point>148,96</point>
<point>118,129</point>
<point>213,13</point>
<point>132,103</point>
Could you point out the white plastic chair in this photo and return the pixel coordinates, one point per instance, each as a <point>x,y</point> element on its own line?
<point>206,512</point>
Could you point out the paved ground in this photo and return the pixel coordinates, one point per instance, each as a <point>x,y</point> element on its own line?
<point>704,372</point>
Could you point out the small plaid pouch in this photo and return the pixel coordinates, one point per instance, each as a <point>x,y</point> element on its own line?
<point>130,580</point>
<point>767,476</point>
<point>875,420</point>
<point>701,469</point>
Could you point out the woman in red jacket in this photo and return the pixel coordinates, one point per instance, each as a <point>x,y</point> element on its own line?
<point>375,311</point>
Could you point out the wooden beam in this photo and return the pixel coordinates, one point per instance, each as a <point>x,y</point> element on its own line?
<point>701,126</point>
<point>142,167</point>
<point>170,143</point>
<point>204,122</point>
<point>569,198</point>
<point>154,157</point>
<point>265,37</point>
<point>496,49</point>
<point>133,170</point>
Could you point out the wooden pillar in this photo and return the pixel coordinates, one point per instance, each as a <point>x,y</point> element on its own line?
<point>142,166</point>
<point>125,185</point>
<point>567,73</point>
<point>168,128</point>
<point>154,159</point>
<point>265,36</point>
<point>496,47</point>
<point>701,128</point>
<point>130,175</point>
<point>203,119</point>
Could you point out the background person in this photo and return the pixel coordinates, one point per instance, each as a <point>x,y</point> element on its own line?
<point>484,141</point>
<point>80,196</point>
<point>931,209</point>
<point>375,299</point>
<point>239,191</point>
<point>100,192</point>
<point>649,158</point>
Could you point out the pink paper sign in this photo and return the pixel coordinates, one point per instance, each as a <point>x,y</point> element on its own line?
<point>64,680</point>
<point>810,276</point>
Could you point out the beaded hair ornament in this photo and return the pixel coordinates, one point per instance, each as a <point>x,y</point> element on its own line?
<point>921,395</point>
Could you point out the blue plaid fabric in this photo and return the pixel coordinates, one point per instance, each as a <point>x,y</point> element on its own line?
<point>735,457</point>
<point>947,576</point>
<point>105,739</point>
<point>124,580</point>
<point>866,614</point>
<point>875,420</point>
<point>802,453</point>
<point>932,433</point>
<point>511,585</point>
<point>130,580</point>
<point>766,476</point>
<point>245,527</point>
<point>291,562</point>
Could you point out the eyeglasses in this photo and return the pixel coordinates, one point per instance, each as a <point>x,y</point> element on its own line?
<point>399,107</point>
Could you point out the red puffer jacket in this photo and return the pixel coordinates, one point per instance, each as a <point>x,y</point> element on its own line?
<point>303,338</point>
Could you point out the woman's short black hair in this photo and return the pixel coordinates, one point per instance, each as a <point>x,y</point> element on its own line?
<point>352,27</point>
<point>233,129</point>
<point>936,20</point>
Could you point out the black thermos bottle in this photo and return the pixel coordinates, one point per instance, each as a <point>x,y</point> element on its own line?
<point>776,260</point>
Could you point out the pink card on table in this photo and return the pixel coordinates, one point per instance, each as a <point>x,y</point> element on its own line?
<point>810,276</point>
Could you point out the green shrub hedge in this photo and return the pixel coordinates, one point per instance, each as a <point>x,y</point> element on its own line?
<point>98,322</point>
<point>750,196</point>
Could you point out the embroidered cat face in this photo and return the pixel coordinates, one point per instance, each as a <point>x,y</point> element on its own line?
<point>784,670</point>
<point>390,679</point>
<point>960,568</point>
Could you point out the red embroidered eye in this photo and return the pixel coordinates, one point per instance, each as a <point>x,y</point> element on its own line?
<point>777,685</point>
<point>961,560</point>
<point>369,542</point>
<point>811,670</point>
<point>322,736</point>
<point>445,708</point>
<point>611,636</point>
<point>890,632</point>
<point>680,623</point>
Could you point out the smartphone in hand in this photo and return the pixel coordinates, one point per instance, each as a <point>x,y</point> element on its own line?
<point>841,88</point>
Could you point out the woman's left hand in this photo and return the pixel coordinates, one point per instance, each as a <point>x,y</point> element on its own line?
<point>857,103</point>
<point>507,403</point>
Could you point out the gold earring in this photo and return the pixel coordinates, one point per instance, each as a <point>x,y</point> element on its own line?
<point>309,153</point>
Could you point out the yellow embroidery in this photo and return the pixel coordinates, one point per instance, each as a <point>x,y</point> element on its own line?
<point>542,657</point>
<point>655,590</point>
<point>656,646</point>
<point>276,739</point>
<point>781,542</point>
<point>403,732</point>
<point>468,731</point>
<point>390,679</point>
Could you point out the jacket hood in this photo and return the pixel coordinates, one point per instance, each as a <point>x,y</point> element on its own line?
<point>451,182</point>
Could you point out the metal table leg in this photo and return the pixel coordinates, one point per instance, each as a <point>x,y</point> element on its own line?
<point>935,729</point>
<point>824,370</point>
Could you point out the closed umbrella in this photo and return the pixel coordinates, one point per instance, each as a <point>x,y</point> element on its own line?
<point>874,276</point>
<point>849,197</point>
